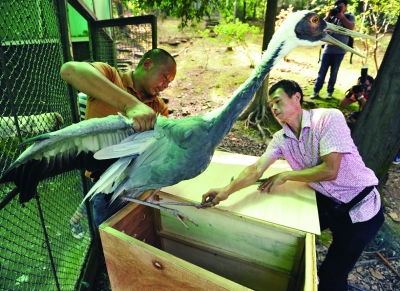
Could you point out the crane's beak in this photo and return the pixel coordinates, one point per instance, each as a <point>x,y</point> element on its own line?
<point>338,29</point>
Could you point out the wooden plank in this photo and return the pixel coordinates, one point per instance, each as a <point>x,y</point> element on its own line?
<point>134,265</point>
<point>298,270</point>
<point>137,221</point>
<point>139,224</point>
<point>311,277</point>
<point>268,245</point>
<point>292,204</point>
<point>120,215</point>
<point>246,274</point>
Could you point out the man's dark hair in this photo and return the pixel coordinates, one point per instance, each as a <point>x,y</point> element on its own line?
<point>370,79</point>
<point>157,55</point>
<point>341,1</point>
<point>290,87</point>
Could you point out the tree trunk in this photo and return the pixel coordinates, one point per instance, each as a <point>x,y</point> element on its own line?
<point>258,114</point>
<point>234,11</point>
<point>244,12</point>
<point>377,131</point>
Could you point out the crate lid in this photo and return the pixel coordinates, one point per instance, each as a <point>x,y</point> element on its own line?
<point>291,204</point>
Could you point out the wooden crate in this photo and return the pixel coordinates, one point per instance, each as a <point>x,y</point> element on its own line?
<point>234,247</point>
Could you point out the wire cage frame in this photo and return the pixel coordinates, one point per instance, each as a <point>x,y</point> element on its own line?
<point>37,250</point>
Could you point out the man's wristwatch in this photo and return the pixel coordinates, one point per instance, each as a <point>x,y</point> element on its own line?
<point>360,97</point>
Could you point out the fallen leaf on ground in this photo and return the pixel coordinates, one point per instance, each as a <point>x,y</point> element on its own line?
<point>394,216</point>
<point>376,274</point>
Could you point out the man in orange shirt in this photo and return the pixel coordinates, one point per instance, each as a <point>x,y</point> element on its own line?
<point>133,93</point>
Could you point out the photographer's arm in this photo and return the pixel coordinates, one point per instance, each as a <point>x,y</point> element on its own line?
<point>346,23</point>
<point>361,101</point>
<point>348,99</point>
<point>345,102</point>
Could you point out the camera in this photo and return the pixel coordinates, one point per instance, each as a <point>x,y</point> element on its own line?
<point>335,10</point>
<point>364,74</point>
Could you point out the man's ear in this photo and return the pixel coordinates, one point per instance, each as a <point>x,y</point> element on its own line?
<point>147,63</point>
<point>297,96</point>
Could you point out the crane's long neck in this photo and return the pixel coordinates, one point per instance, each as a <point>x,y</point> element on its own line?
<point>227,114</point>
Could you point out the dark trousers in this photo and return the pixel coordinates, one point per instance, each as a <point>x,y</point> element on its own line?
<point>102,210</point>
<point>348,242</point>
<point>100,204</point>
<point>328,60</point>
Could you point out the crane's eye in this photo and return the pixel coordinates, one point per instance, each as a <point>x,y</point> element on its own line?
<point>315,19</point>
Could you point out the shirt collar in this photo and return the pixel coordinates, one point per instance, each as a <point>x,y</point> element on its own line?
<point>305,122</point>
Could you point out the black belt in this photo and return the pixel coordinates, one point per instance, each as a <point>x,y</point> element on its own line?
<point>345,207</point>
<point>360,196</point>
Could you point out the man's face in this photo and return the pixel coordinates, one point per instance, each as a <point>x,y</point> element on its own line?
<point>342,7</point>
<point>159,76</point>
<point>368,85</point>
<point>282,106</point>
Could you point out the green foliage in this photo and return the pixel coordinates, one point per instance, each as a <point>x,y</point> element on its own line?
<point>186,10</point>
<point>325,237</point>
<point>239,34</point>
<point>375,18</point>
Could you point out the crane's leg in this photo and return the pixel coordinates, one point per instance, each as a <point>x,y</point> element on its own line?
<point>174,212</point>
<point>151,200</point>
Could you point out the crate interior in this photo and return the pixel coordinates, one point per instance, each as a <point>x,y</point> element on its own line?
<point>252,253</point>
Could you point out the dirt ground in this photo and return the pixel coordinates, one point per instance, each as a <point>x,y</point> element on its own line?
<point>192,94</point>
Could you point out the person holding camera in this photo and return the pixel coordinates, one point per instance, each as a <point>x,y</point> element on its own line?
<point>332,55</point>
<point>358,93</point>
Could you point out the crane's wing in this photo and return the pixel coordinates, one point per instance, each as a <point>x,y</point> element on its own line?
<point>70,148</point>
<point>154,159</point>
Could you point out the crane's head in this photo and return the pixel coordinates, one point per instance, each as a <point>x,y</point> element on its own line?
<point>306,28</point>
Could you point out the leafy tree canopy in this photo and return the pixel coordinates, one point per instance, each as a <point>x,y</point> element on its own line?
<point>186,10</point>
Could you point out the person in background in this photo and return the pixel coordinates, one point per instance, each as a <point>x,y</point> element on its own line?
<point>332,55</point>
<point>109,91</point>
<point>358,93</point>
<point>318,147</point>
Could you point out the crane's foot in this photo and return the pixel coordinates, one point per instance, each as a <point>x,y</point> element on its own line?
<point>205,205</point>
<point>174,212</point>
<point>180,216</point>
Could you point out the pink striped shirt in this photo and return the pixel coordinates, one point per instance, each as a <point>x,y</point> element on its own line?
<point>324,131</point>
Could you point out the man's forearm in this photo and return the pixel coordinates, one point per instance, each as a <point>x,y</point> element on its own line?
<point>89,80</point>
<point>246,178</point>
<point>318,173</point>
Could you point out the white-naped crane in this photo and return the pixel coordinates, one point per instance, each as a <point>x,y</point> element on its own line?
<point>176,150</point>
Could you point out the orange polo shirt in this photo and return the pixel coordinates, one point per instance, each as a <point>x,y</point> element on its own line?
<point>97,108</point>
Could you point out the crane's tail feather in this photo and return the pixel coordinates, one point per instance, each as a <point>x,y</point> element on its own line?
<point>133,145</point>
<point>109,177</point>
